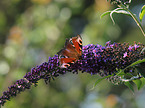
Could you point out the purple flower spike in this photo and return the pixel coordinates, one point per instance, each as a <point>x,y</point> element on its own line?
<point>95,60</point>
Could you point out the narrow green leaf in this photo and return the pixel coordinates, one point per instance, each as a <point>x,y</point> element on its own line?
<point>129,74</point>
<point>141,69</point>
<point>100,79</point>
<point>118,10</point>
<point>129,85</point>
<point>142,13</point>
<point>143,82</point>
<point>138,62</point>
<point>123,12</point>
<point>135,63</point>
<point>120,72</point>
<point>138,83</point>
<point>142,50</point>
<point>105,13</point>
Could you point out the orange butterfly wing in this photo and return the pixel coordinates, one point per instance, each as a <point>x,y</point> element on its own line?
<point>65,62</point>
<point>68,50</point>
<point>77,41</point>
<point>71,52</point>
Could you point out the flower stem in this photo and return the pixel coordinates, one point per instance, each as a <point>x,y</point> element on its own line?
<point>135,19</point>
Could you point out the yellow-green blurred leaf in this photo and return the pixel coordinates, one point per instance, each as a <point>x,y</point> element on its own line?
<point>142,13</point>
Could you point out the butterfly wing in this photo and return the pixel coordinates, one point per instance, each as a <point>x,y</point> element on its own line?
<point>65,62</point>
<point>77,42</point>
<point>71,52</point>
<point>68,51</point>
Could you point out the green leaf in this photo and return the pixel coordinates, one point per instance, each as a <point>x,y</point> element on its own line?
<point>100,79</point>
<point>120,72</point>
<point>143,82</point>
<point>142,50</point>
<point>129,85</point>
<point>122,12</point>
<point>138,83</point>
<point>141,69</point>
<point>142,13</point>
<point>105,13</point>
<point>135,63</point>
<point>118,10</point>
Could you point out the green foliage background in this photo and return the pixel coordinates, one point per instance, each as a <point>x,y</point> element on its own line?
<point>33,30</point>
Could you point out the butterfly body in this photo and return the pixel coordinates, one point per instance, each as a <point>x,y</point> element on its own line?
<point>71,52</point>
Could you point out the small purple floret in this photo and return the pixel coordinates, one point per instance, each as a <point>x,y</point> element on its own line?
<point>125,55</point>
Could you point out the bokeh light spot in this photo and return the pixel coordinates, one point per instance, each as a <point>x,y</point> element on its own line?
<point>65,13</point>
<point>9,52</point>
<point>4,67</point>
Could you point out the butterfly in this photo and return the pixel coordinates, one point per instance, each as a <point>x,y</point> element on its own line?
<point>71,52</point>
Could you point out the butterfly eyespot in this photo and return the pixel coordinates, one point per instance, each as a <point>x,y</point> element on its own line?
<point>80,41</point>
<point>71,41</point>
<point>62,56</point>
<point>67,65</point>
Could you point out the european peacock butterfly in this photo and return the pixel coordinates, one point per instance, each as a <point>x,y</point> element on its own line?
<point>71,52</point>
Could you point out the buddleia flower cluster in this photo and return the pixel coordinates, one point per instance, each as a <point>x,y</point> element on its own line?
<point>96,59</point>
<point>118,2</point>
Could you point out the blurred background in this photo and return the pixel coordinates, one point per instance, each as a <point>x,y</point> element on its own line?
<point>33,30</point>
